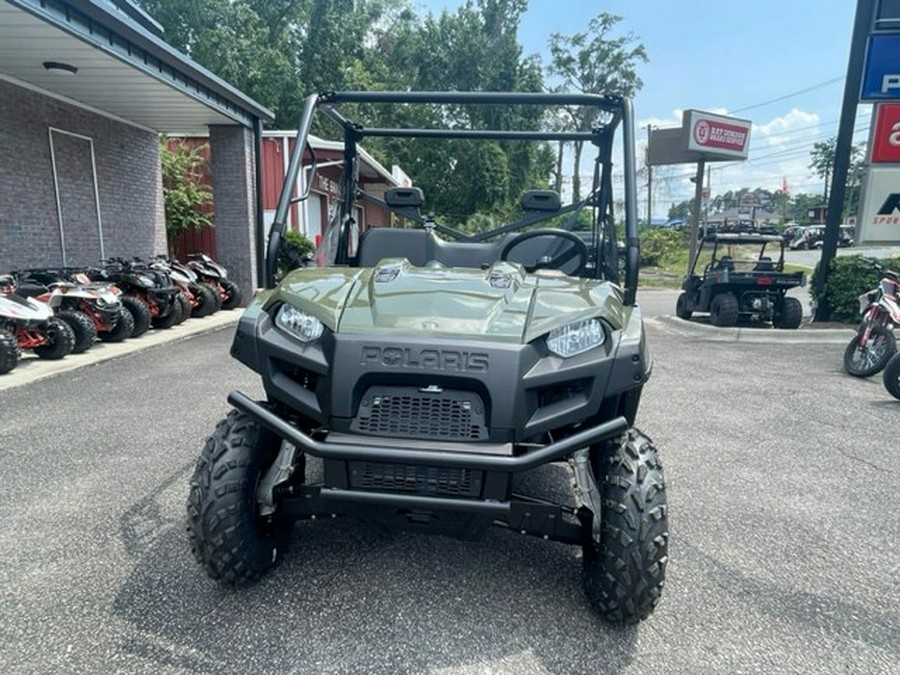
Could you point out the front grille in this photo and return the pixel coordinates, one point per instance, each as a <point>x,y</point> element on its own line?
<point>410,412</point>
<point>406,478</point>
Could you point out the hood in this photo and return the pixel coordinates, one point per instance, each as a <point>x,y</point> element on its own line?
<point>24,309</point>
<point>501,303</point>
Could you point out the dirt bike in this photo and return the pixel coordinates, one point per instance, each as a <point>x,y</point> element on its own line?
<point>209,271</point>
<point>92,310</point>
<point>874,343</point>
<point>27,323</point>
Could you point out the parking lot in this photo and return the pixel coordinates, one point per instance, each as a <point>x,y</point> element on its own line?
<point>784,553</point>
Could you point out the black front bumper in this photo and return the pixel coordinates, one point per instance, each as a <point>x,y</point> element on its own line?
<point>459,493</point>
<point>466,458</point>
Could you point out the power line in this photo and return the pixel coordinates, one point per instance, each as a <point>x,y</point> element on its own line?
<point>820,85</point>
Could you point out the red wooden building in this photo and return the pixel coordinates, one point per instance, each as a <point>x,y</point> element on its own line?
<point>311,216</point>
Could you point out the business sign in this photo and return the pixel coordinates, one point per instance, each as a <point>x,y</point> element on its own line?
<point>887,16</point>
<point>879,220</point>
<point>712,138</point>
<point>881,74</point>
<point>886,137</point>
<point>716,135</point>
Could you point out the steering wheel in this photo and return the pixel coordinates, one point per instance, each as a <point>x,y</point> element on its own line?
<point>571,249</point>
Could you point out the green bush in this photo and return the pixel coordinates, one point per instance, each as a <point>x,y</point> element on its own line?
<point>185,193</point>
<point>850,277</point>
<point>659,243</point>
<point>294,247</point>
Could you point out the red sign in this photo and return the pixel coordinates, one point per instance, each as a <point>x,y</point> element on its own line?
<point>886,139</point>
<point>717,135</point>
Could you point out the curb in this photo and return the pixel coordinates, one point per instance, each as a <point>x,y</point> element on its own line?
<point>31,368</point>
<point>761,335</point>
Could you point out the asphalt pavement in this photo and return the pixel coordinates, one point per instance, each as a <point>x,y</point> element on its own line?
<point>783,550</point>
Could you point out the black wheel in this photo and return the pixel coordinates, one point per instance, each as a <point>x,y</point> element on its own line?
<point>82,327</point>
<point>232,294</point>
<point>170,319</point>
<point>139,312</point>
<point>871,359</point>
<point>723,310</point>
<point>625,570</point>
<point>122,330</point>
<point>789,315</point>
<point>683,307</point>
<point>9,351</point>
<point>229,538</point>
<point>891,376</point>
<point>184,307</point>
<point>206,298</point>
<point>60,338</point>
<point>217,298</point>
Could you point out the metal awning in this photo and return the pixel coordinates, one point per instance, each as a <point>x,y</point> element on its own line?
<point>124,68</point>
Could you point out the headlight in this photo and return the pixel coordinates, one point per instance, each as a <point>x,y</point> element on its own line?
<point>576,338</point>
<point>301,325</point>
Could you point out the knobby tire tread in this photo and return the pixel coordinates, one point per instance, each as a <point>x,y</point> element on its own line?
<point>624,575</point>
<point>227,537</point>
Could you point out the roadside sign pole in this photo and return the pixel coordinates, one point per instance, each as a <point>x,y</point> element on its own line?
<point>698,201</point>
<point>861,26</point>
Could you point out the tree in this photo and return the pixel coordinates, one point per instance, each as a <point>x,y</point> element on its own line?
<point>822,162</point>
<point>593,62</point>
<point>277,51</point>
<point>474,48</point>
<point>185,193</point>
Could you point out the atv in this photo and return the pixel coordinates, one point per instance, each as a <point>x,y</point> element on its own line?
<point>740,280</point>
<point>91,309</point>
<point>428,369</point>
<point>29,323</point>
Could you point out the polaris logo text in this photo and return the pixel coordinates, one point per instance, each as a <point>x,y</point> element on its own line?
<point>425,359</point>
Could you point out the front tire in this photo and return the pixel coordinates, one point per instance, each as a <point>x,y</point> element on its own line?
<point>122,329</point>
<point>214,292</point>
<point>891,376</point>
<point>871,359</point>
<point>232,294</point>
<point>139,312</point>
<point>723,310</point>
<point>60,338</point>
<point>170,319</point>
<point>229,538</point>
<point>683,308</point>
<point>184,307</point>
<point>206,297</point>
<point>82,327</point>
<point>9,351</point>
<point>625,571</point>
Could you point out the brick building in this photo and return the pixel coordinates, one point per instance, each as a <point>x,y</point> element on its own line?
<point>86,87</point>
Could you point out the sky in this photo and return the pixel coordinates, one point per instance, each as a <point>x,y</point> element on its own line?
<point>780,64</point>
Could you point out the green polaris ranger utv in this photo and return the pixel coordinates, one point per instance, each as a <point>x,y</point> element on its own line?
<point>428,369</point>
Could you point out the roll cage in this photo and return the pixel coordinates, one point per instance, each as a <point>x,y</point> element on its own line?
<point>603,246</point>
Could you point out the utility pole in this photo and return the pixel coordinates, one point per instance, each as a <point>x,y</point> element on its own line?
<point>861,24</point>
<point>649,180</point>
